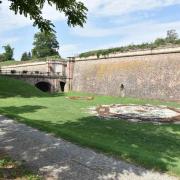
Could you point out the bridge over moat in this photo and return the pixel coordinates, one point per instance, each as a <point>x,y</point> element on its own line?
<point>44,81</point>
<point>47,76</point>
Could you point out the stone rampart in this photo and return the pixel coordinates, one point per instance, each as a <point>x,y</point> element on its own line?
<point>152,74</point>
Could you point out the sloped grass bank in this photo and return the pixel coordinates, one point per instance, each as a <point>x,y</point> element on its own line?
<point>149,145</point>
<point>10,87</point>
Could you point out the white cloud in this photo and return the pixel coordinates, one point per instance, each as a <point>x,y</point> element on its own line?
<point>120,7</point>
<point>10,21</point>
<point>129,29</point>
<point>140,30</point>
<point>129,34</point>
<point>52,14</point>
<point>69,50</point>
<point>8,40</point>
<point>90,30</point>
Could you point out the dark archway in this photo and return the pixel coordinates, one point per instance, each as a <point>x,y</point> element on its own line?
<point>44,86</point>
<point>122,87</point>
<point>62,85</point>
<point>122,90</point>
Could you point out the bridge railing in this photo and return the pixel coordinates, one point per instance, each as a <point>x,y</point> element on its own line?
<point>30,73</point>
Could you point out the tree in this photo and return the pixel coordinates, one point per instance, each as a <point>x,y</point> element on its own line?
<point>8,54</point>
<point>26,56</point>
<point>160,42</point>
<point>45,45</point>
<point>29,55</point>
<point>172,36</point>
<point>2,58</point>
<point>75,11</point>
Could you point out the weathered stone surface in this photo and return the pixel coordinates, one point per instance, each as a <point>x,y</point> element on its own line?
<point>136,113</point>
<point>145,76</point>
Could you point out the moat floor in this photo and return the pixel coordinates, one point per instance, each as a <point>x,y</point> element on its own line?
<point>55,158</point>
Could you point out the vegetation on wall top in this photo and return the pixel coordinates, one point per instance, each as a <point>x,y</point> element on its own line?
<point>171,39</point>
<point>51,58</point>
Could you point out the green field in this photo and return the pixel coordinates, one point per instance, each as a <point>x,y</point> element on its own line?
<point>152,146</point>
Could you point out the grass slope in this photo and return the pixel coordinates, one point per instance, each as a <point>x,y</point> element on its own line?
<point>149,145</point>
<point>11,87</point>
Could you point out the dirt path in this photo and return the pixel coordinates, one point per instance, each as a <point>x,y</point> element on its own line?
<point>58,159</point>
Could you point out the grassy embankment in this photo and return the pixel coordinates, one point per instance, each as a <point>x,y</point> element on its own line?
<point>149,145</point>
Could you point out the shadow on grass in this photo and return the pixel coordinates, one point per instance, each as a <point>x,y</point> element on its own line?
<point>30,94</point>
<point>152,146</point>
<point>21,109</point>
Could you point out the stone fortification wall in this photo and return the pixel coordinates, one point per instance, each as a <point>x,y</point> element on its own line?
<point>152,74</point>
<point>42,67</point>
<point>37,66</point>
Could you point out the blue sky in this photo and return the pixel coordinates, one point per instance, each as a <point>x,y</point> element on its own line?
<point>109,24</point>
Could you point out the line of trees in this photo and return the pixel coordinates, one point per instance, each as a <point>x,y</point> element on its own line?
<point>45,45</point>
<point>171,39</point>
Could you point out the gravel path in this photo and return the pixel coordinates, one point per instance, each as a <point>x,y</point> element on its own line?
<point>55,158</point>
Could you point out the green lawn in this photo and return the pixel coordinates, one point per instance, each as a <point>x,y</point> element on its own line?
<point>146,144</point>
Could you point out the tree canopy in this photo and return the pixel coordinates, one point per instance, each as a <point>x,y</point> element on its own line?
<point>8,54</point>
<point>26,56</point>
<point>45,45</point>
<point>76,12</point>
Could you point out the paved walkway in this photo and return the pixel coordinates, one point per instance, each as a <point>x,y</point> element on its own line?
<point>58,159</point>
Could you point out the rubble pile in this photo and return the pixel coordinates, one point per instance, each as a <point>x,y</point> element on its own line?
<point>136,113</point>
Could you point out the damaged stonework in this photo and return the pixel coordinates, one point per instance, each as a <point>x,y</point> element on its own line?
<point>80,97</point>
<point>136,113</point>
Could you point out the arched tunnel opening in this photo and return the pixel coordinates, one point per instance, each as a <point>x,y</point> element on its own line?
<point>62,85</point>
<point>44,86</point>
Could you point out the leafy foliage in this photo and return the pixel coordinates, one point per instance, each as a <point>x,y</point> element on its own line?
<point>45,45</point>
<point>26,56</point>
<point>172,36</point>
<point>2,58</point>
<point>171,39</point>
<point>8,54</point>
<point>74,11</point>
